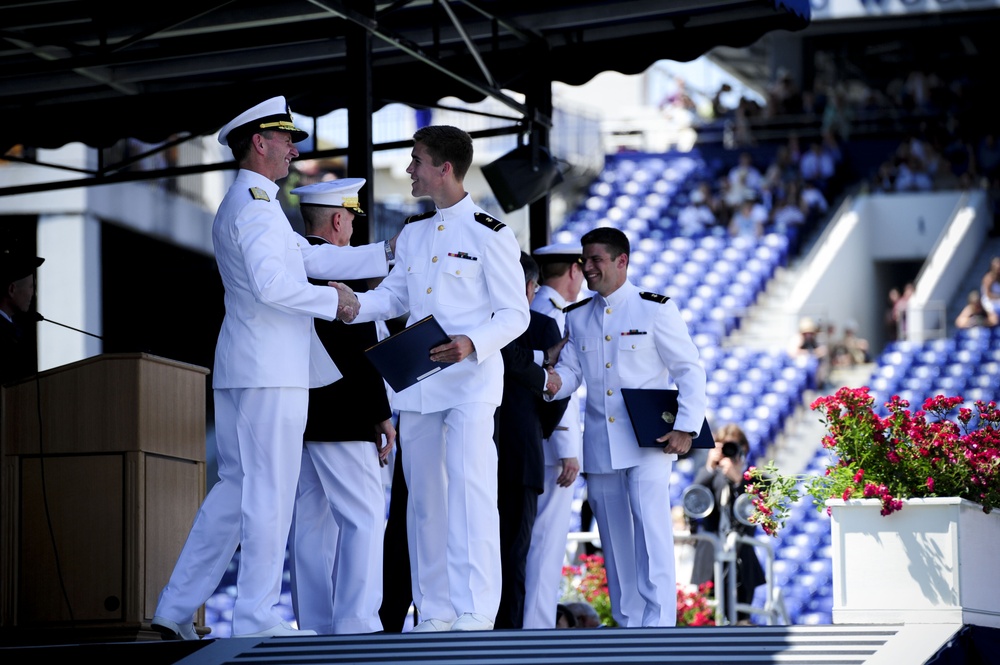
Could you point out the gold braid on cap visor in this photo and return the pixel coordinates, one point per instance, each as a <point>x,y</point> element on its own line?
<point>281,124</point>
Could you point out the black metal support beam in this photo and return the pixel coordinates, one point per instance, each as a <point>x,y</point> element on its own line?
<point>539,100</point>
<point>360,110</point>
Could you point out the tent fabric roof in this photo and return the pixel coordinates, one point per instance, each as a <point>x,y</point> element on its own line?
<point>95,72</point>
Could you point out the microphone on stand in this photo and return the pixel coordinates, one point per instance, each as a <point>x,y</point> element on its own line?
<point>38,317</point>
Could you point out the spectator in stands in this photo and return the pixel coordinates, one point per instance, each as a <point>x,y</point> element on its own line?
<point>742,116</point>
<point>723,475</point>
<point>850,350</point>
<point>719,108</point>
<point>899,309</point>
<point>912,176</point>
<point>990,287</point>
<point>749,218</point>
<point>819,164</point>
<point>696,217</point>
<point>974,315</point>
<point>838,116</point>
<point>808,343</point>
<point>746,174</point>
<point>789,212</point>
<point>783,95</point>
<point>891,328</point>
<point>884,179</point>
<point>782,170</point>
<point>813,201</point>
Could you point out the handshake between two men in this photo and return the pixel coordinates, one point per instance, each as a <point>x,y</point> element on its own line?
<point>348,305</point>
<point>460,347</point>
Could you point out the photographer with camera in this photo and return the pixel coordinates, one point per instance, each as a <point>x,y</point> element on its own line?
<point>723,475</point>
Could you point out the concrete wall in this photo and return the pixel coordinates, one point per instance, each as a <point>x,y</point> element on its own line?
<point>841,276</point>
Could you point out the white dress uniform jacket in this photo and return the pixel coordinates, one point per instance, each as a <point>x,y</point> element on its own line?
<point>628,341</point>
<point>462,272</point>
<point>267,338</point>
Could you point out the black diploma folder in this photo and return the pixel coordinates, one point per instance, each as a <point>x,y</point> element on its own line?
<point>652,412</point>
<point>404,358</point>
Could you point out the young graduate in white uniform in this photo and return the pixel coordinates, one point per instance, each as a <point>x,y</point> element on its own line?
<point>462,266</point>
<point>266,359</point>
<point>626,338</point>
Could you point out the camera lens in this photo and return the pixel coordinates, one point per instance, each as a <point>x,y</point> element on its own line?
<point>731,449</point>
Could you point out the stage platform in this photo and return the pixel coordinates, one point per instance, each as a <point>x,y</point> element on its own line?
<point>785,645</point>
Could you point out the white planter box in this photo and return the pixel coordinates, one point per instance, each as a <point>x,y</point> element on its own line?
<point>935,561</point>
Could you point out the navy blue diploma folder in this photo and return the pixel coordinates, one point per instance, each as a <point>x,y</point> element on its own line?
<point>404,358</point>
<point>652,412</point>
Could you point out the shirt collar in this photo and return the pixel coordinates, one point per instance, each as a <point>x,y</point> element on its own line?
<point>255,179</point>
<point>459,208</point>
<point>620,295</point>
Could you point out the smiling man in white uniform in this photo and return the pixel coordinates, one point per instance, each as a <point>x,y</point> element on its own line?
<point>626,338</point>
<point>462,266</point>
<point>266,359</point>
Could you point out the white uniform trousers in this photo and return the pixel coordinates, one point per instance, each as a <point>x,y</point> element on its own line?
<point>452,523</point>
<point>258,435</point>
<point>632,509</point>
<point>336,542</point>
<point>547,553</point>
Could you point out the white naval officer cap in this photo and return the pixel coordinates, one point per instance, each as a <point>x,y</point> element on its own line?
<point>340,193</point>
<point>272,114</point>
<point>562,252</point>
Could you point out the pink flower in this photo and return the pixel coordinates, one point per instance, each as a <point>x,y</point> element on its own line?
<point>930,483</point>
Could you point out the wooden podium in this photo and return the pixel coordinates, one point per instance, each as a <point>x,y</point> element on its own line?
<point>103,465</point>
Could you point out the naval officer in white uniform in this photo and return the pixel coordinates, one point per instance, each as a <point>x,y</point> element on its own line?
<point>266,359</point>
<point>461,265</point>
<point>335,551</point>
<point>561,270</point>
<point>625,338</point>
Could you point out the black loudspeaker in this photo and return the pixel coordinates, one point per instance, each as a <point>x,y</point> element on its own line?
<point>516,182</point>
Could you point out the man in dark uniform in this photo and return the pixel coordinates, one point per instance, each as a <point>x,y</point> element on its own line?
<point>336,546</point>
<point>523,420</point>
<point>17,279</point>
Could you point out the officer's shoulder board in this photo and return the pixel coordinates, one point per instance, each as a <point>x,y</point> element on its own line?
<point>579,303</point>
<point>417,218</point>
<point>489,222</point>
<point>655,297</point>
<point>557,305</point>
<point>259,194</point>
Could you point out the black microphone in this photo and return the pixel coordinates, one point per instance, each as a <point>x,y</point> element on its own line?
<point>38,317</point>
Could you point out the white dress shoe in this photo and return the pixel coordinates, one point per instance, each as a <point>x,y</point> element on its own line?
<point>170,630</point>
<point>471,621</point>
<point>431,626</point>
<point>281,630</point>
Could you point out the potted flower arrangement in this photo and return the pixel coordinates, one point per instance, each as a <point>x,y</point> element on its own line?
<point>589,582</point>
<point>907,493</point>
